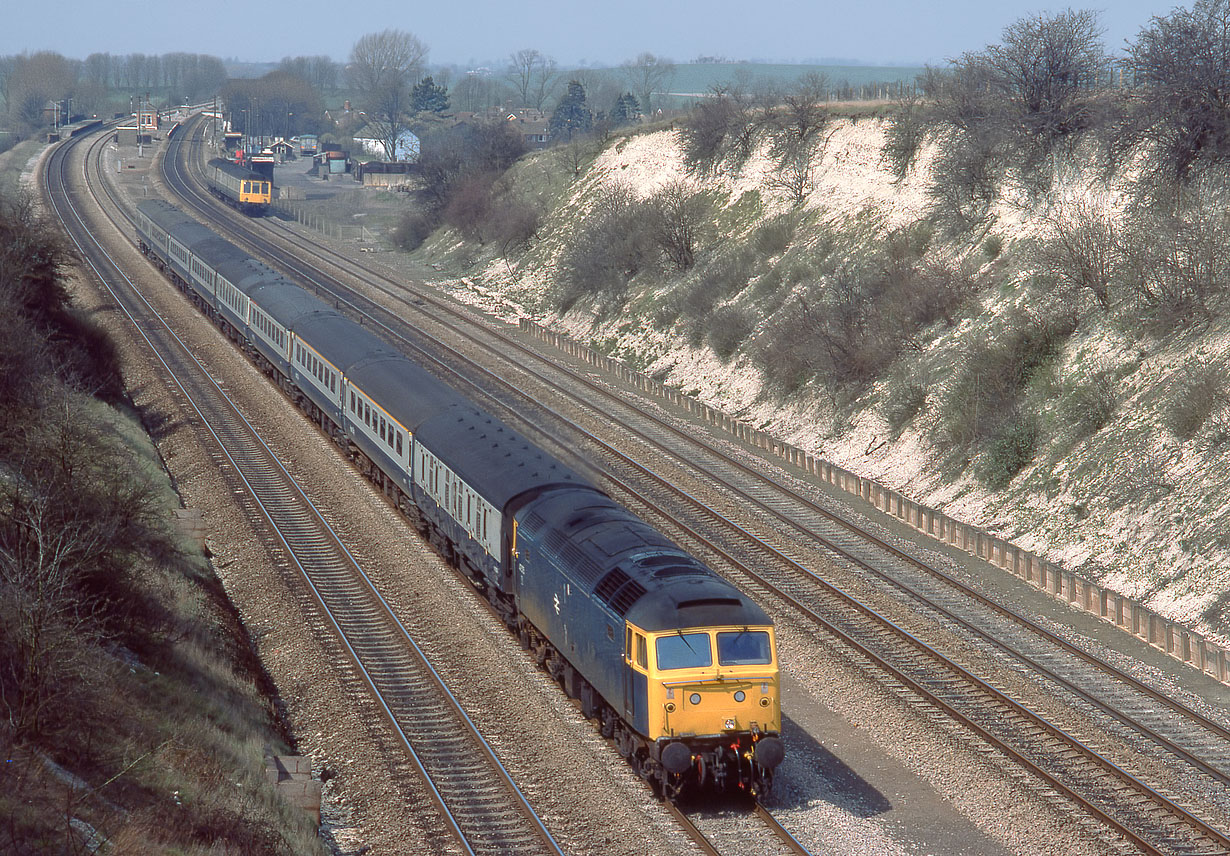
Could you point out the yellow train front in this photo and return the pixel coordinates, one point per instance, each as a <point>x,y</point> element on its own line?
<point>247,190</point>
<point>678,665</point>
<point>712,702</point>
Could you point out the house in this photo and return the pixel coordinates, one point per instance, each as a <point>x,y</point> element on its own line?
<point>533,126</point>
<point>282,151</point>
<point>372,143</point>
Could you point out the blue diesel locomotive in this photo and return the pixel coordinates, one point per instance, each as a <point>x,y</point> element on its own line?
<point>673,662</point>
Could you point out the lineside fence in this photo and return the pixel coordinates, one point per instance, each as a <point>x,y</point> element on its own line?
<point>326,226</point>
<point>1177,640</point>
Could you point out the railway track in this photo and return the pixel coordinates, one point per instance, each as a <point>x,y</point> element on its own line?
<point>1182,732</point>
<point>473,794</point>
<point>739,831</point>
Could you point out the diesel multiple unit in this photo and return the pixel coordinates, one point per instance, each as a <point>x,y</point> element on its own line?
<point>247,190</point>
<point>675,664</point>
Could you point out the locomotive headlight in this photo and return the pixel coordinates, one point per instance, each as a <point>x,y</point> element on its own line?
<point>765,702</point>
<point>670,707</point>
<point>730,724</point>
<point>740,695</point>
<point>694,698</point>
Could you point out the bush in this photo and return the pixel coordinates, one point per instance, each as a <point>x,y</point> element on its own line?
<point>469,205</point>
<point>412,229</point>
<point>773,237</point>
<point>986,387</point>
<point>906,132</point>
<point>513,223</point>
<point>1088,406</point>
<point>1176,258</point>
<point>1195,395</point>
<point>613,245</point>
<point>1008,451</point>
<point>904,399</point>
<point>963,185</point>
<point>728,327</point>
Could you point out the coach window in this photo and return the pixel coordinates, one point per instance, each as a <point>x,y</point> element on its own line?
<point>399,444</point>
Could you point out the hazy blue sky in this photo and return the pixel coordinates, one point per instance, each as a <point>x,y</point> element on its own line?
<point>477,31</point>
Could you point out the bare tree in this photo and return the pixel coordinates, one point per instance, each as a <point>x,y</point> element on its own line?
<point>383,67</point>
<point>1045,66</point>
<point>319,71</point>
<point>802,113</point>
<point>679,216</point>
<point>1183,64</point>
<point>533,75</point>
<point>647,74</point>
<point>1083,250</point>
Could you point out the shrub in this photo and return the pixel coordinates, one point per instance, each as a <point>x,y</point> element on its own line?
<point>993,246</point>
<point>513,223</point>
<point>964,184</point>
<point>986,387</point>
<point>728,327</point>
<point>1088,406</point>
<point>412,229</point>
<point>469,206</point>
<point>1198,392</point>
<point>904,399</point>
<point>1176,258</point>
<point>774,235</point>
<point>614,244</point>
<point>1008,451</point>
<point>906,132</point>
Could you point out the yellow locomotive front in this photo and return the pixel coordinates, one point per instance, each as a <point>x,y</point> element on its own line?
<point>714,705</point>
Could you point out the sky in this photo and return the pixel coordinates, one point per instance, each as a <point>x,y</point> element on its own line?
<point>475,33</point>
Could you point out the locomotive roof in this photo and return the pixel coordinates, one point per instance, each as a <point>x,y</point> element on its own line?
<point>490,457</point>
<point>338,339</point>
<point>633,568</point>
<point>403,388</point>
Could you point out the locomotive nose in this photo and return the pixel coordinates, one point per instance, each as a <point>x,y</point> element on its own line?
<point>770,752</point>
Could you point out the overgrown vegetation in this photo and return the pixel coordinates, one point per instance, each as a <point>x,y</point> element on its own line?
<point>843,306</point>
<point>130,721</point>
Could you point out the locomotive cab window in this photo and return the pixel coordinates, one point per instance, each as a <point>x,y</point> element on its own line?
<point>642,653</point>
<point>683,651</point>
<point>744,648</point>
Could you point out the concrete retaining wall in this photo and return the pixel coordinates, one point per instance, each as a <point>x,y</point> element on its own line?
<point>1177,640</point>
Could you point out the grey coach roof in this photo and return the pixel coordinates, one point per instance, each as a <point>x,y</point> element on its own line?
<point>489,456</point>
<point>403,388</point>
<point>286,302</point>
<point>338,339</point>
